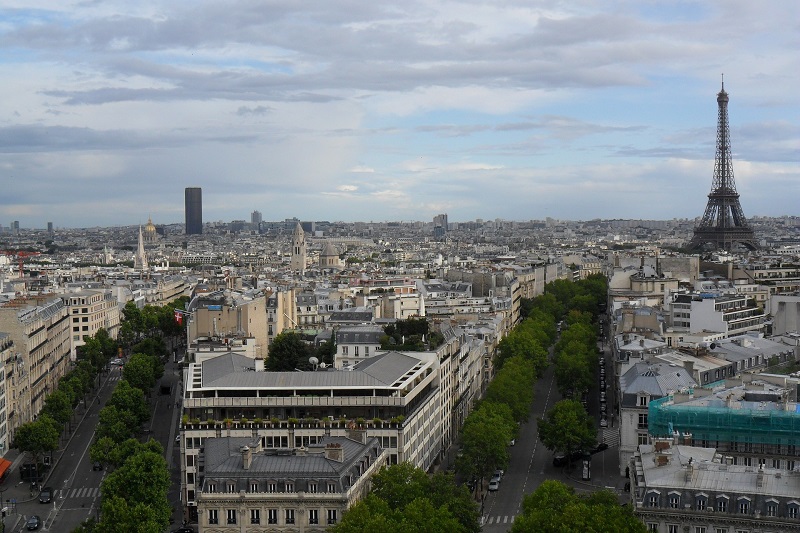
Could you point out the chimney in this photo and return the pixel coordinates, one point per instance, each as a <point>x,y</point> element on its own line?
<point>247,457</point>
<point>687,475</point>
<point>689,366</point>
<point>334,452</point>
<point>641,343</point>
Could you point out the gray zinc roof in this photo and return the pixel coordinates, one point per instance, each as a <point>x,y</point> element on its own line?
<point>656,379</point>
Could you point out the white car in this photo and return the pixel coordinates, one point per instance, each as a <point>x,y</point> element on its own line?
<point>494,485</point>
<point>117,362</point>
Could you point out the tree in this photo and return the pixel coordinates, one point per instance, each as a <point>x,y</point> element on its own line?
<point>139,372</point>
<point>143,479</point>
<point>555,508</point>
<point>131,399</point>
<point>58,406</point>
<point>484,440</point>
<point>37,437</point>
<point>567,428</point>
<point>287,353</point>
<point>404,498</point>
<point>513,386</point>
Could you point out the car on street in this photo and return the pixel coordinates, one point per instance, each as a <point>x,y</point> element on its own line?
<point>603,422</point>
<point>494,485</point>
<point>499,473</point>
<point>97,465</point>
<point>46,496</point>
<point>601,446</point>
<point>117,362</point>
<point>33,523</point>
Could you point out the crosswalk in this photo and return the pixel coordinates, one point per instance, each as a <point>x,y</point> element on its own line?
<point>81,492</point>
<point>499,519</point>
<point>610,436</point>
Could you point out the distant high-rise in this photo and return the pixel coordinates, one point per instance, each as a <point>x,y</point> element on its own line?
<point>49,227</point>
<point>194,211</point>
<point>255,218</point>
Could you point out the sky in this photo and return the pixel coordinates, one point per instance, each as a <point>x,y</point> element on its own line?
<point>376,110</point>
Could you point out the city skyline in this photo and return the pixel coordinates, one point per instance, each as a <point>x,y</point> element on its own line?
<point>388,111</point>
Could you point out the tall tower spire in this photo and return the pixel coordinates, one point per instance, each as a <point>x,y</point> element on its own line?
<point>723,226</point>
<point>298,262</point>
<point>140,259</point>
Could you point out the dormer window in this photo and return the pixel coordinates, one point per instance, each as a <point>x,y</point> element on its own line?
<point>642,400</point>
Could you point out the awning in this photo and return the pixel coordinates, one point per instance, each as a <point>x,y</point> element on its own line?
<point>5,464</point>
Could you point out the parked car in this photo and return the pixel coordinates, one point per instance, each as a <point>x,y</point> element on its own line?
<point>97,465</point>
<point>499,473</point>
<point>46,495</point>
<point>33,523</point>
<point>117,362</point>
<point>603,422</point>
<point>494,485</point>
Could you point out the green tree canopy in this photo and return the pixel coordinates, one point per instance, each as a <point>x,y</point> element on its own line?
<point>555,508</point>
<point>37,437</point>
<point>567,428</point>
<point>131,399</point>
<point>287,353</point>
<point>406,499</point>
<point>513,386</point>
<point>484,440</point>
<point>139,371</point>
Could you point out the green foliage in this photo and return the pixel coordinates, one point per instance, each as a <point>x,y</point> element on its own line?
<point>288,352</point>
<point>326,352</point>
<point>139,371</point>
<point>405,499</point>
<point>484,440</point>
<point>37,437</point>
<point>136,494</point>
<point>555,508</point>
<point>567,428</point>
<point>410,335</point>
<point>131,399</point>
<point>513,386</point>
<point>58,406</point>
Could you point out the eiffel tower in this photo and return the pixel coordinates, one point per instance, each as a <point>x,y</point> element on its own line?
<point>723,226</point>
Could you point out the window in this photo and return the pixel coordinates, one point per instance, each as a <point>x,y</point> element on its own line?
<point>642,420</point>
<point>701,504</point>
<point>652,500</point>
<point>344,350</point>
<point>231,516</point>
<point>272,487</point>
<point>213,517</point>
<point>254,486</point>
<point>212,487</point>
<point>642,401</point>
<point>190,460</point>
<point>652,527</point>
<point>331,516</point>
<point>355,349</point>
<point>792,511</point>
<point>312,487</point>
<point>231,488</point>
<point>272,516</point>
<point>776,463</point>
<point>366,351</point>
<point>744,507</point>
<point>722,506</point>
<point>255,516</point>
<point>331,487</point>
<point>674,501</point>
<point>672,528</point>
<point>772,509</point>
<point>289,516</point>
<point>313,516</point>
<point>289,486</point>
<point>642,438</point>
<point>721,530</point>
<point>699,529</point>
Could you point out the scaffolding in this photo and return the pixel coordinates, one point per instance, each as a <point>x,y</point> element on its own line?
<point>766,423</point>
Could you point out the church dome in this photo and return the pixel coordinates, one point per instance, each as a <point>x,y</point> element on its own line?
<point>149,232</point>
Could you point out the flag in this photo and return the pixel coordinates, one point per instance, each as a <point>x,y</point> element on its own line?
<point>178,317</point>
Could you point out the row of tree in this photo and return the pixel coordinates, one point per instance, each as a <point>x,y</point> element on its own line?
<point>567,427</point>
<point>405,499</point>
<point>521,359</point>
<point>134,494</point>
<point>41,436</point>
